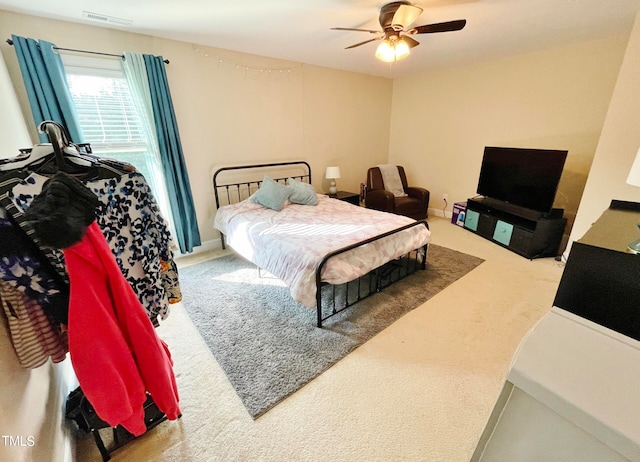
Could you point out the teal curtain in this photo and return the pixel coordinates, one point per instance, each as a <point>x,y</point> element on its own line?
<point>171,155</point>
<point>46,84</point>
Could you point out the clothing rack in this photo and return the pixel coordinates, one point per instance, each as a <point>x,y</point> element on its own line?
<point>73,50</point>
<point>108,439</point>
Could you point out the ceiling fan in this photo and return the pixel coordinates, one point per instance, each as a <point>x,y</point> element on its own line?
<point>395,19</point>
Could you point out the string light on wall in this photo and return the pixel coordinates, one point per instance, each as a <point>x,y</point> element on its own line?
<point>275,73</point>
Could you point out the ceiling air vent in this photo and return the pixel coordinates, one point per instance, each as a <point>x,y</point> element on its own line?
<point>103,18</point>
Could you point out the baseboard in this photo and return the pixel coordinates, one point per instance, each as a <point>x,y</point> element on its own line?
<point>206,246</point>
<point>433,212</point>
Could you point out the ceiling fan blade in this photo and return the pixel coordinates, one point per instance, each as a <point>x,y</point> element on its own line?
<point>366,41</point>
<point>357,30</point>
<point>386,13</point>
<point>448,26</point>
<point>405,15</point>
<point>410,41</point>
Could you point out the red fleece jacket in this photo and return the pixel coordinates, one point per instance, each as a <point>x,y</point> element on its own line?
<point>115,351</point>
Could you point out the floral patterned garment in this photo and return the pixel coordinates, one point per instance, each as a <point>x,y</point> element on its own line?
<point>137,234</point>
<point>139,237</point>
<point>23,269</point>
<point>291,243</point>
<point>16,217</point>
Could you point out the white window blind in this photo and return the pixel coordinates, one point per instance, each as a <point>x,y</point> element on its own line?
<point>107,114</point>
<point>110,121</point>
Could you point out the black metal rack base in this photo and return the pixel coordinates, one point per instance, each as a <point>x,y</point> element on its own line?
<point>81,411</point>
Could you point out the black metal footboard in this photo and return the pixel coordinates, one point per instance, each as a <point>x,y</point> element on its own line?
<point>372,282</point>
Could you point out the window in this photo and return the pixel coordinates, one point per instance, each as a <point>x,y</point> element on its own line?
<point>110,121</point>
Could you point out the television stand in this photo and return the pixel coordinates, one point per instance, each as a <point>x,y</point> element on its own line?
<point>526,232</point>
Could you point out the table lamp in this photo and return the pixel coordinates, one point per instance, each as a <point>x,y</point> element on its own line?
<point>331,174</point>
<point>634,180</point>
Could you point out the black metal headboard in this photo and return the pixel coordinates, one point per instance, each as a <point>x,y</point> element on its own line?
<point>238,182</point>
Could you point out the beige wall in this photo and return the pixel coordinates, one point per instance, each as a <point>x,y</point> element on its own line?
<point>32,407</point>
<point>13,128</point>
<point>237,108</point>
<point>553,99</point>
<point>618,144</point>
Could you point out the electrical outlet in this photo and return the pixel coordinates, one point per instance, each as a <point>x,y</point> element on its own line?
<point>445,197</point>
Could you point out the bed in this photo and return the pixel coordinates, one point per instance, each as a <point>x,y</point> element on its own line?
<point>332,254</point>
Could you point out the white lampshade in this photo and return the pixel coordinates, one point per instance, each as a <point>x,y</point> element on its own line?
<point>634,174</point>
<point>332,172</point>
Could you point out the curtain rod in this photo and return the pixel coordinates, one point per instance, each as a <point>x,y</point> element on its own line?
<point>10,42</point>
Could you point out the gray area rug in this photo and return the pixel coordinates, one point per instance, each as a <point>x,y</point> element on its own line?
<point>269,345</point>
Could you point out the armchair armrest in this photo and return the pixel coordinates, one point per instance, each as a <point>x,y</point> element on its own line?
<point>379,199</point>
<point>418,193</point>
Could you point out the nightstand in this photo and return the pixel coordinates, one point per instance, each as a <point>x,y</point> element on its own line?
<point>352,198</point>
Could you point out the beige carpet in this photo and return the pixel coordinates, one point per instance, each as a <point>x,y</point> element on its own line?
<point>421,390</point>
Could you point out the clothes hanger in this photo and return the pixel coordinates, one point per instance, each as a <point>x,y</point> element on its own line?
<point>43,153</point>
<point>39,153</point>
<point>67,157</point>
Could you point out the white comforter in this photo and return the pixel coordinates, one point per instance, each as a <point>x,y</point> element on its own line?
<point>291,243</point>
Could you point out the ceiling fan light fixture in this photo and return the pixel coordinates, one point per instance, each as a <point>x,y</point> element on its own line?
<point>385,52</point>
<point>391,50</point>
<point>402,49</point>
<point>395,19</point>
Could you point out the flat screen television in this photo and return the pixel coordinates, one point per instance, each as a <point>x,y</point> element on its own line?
<point>525,177</point>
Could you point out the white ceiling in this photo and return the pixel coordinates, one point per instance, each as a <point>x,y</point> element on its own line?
<point>299,30</point>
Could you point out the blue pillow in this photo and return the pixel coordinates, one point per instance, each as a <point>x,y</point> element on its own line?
<point>271,194</point>
<point>302,193</point>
